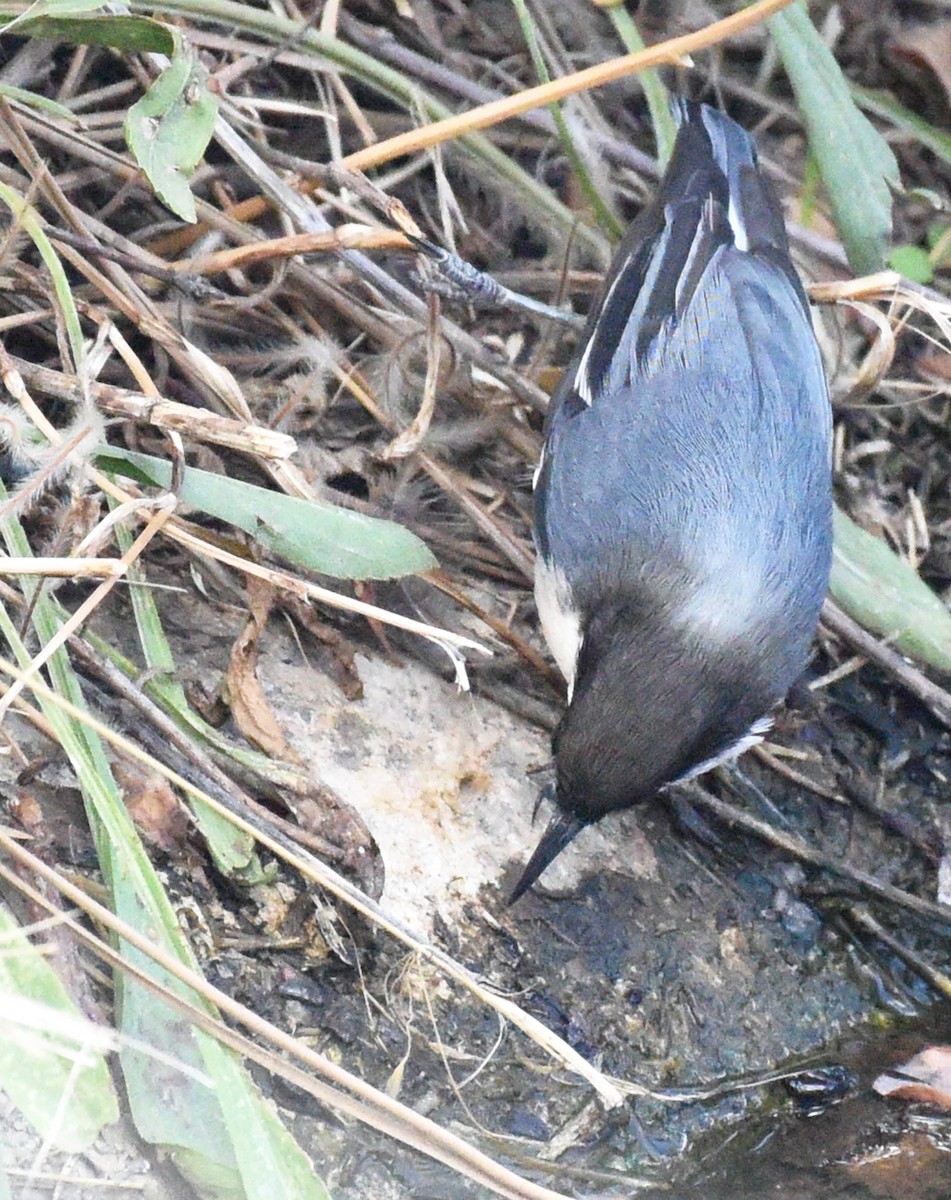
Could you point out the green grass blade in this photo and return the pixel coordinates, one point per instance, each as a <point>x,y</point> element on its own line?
<point>883,593</point>
<point>22,96</point>
<point>116,32</point>
<point>856,163</point>
<point>658,101</point>
<point>606,218</point>
<point>30,221</point>
<point>60,1084</point>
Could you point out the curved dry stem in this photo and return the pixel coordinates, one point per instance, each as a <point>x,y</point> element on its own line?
<point>364,1102</point>
<point>323,875</point>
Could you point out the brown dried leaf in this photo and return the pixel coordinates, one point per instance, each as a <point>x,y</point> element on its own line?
<point>928,46</point>
<point>155,809</point>
<point>924,1079</point>
<point>890,1170</point>
<point>249,706</point>
<point>54,817</point>
<point>27,811</point>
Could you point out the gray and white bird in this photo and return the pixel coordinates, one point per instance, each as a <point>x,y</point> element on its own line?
<point>683,503</point>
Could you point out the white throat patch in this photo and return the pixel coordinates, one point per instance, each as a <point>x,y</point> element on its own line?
<point>560,620</point>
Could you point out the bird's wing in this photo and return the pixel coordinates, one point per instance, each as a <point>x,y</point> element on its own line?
<point>699,365</point>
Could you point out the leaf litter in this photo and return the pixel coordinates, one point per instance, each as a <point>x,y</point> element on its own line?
<point>654,955</point>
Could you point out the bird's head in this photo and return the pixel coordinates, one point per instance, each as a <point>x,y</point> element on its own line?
<point>651,704</point>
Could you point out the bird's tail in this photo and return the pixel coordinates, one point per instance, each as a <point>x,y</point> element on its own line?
<point>715,159</point>
<point>712,198</point>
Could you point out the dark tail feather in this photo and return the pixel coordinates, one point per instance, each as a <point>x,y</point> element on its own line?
<point>717,156</point>
<point>562,829</point>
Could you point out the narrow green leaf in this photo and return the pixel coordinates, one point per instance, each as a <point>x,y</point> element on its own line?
<point>809,192</point>
<point>264,1149</point>
<point>28,218</point>
<point>57,8</point>
<point>60,1084</point>
<point>882,592</point>
<point>884,105</point>
<point>169,129</point>
<point>170,1108</point>
<point>318,537</point>
<point>206,1140</point>
<point>658,100</point>
<point>857,165</point>
<point>118,32</point>
<point>9,92</point>
<point>606,218</point>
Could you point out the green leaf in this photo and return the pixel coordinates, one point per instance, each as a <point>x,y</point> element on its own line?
<point>884,105</point>
<point>28,218</point>
<point>51,1073</point>
<point>315,536</point>
<point>9,92</point>
<point>882,592</point>
<point>207,1141</point>
<point>271,1163</point>
<point>169,129</point>
<point>188,1121</point>
<point>912,262</point>
<point>57,8</point>
<point>117,32</point>
<point>856,163</point>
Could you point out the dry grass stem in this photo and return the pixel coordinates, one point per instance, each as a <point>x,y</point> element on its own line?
<point>674,51</point>
<point>63,568</point>
<point>197,424</point>
<point>348,1093</point>
<point>323,875</point>
<point>343,237</point>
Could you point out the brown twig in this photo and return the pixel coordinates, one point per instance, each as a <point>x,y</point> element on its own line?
<point>937,698</point>
<point>790,844</point>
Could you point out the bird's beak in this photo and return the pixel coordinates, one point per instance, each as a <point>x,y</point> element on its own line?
<point>562,828</point>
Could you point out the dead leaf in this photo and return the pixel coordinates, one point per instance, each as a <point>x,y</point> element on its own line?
<point>924,1079</point>
<point>928,46</point>
<point>55,819</point>
<point>890,1171</point>
<point>155,809</point>
<point>249,705</point>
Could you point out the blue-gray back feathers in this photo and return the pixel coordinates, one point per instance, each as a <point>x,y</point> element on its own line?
<point>696,416</point>
<point>684,496</point>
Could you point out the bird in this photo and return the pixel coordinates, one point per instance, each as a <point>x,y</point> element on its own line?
<point>683,500</point>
